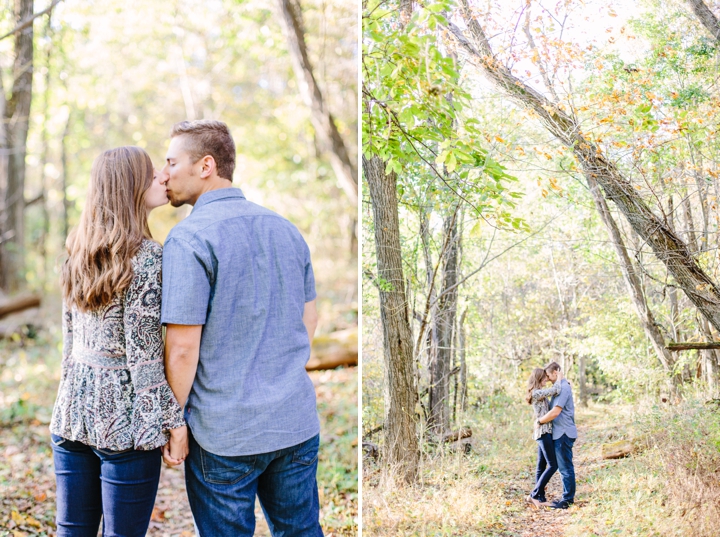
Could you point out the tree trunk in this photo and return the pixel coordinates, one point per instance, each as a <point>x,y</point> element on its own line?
<point>64,178</point>
<point>17,114</point>
<point>582,380</point>
<point>432,336</point>
<point>462,388</point>
<point>401,446</point>
<point>446,312</point>
<point>667,246</point>
<point>709,357</point>
<point>632,281</point>
<point>45,150</point>
<point>322,120</point>
<point>706,17</point>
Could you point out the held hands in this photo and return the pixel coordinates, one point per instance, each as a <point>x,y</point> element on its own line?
<point>175,451</point>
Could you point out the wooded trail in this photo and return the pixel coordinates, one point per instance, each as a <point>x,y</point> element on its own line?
<point>546,522</point>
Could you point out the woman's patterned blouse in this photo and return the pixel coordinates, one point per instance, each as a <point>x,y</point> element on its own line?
<point>541,407</point>
<point>113,392</point>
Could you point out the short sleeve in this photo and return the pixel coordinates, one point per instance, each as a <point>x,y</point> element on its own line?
<point>310,293</point>
<point>562,399</point>
<point>185,284</point>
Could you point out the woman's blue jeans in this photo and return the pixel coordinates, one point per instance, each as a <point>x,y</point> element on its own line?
<point>222,491</point>
<point>119,485</point>
<point>546,465</point>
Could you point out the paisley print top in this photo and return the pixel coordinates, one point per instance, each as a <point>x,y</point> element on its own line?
<point>113,392</point>
<point>541,407</point>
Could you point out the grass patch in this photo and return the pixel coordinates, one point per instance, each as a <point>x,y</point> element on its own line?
<point>671,488</point>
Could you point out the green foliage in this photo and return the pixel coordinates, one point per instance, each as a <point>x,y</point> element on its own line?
<point>413,114</point>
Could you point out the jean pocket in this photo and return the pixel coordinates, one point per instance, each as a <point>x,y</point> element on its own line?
<point>307,452</point>
<point>57,440</point>
<point>221,470</point>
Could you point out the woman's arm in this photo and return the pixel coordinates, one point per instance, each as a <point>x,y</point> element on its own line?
<point>144,345</point>
<point>547,392</point>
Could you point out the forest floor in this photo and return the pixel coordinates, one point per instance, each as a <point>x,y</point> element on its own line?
<point>670,489</point>
<point>29,373</point>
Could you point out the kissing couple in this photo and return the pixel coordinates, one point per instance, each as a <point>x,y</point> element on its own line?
<point>555,433</point>
<point>226,392</point>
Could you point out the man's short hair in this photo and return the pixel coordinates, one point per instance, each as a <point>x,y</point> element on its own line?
<point>208,137</point>
<point>552,366</point>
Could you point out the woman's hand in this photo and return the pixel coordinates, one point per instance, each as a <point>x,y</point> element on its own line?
<point>177,449</point>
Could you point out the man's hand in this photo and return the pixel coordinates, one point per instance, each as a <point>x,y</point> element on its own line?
<point>177,449</point>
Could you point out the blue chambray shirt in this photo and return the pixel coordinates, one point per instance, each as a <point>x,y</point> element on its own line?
<point>565,422</point>
<point>243,272</point>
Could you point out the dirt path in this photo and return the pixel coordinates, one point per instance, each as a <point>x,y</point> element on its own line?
<point>546,522</point>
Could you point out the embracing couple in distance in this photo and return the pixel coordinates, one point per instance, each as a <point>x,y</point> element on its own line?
<point>554,432</point>
<point>227,392</point>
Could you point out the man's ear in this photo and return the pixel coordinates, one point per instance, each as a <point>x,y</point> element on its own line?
<point>208,166</point>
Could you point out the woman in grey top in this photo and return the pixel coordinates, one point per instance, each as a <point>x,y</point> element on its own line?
<point>114,408</point>
<point>537,396</point>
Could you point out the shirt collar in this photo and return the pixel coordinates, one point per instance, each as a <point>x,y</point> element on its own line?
<point>219,194</point>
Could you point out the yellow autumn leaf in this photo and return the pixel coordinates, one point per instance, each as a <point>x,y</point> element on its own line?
<point>17,517</point>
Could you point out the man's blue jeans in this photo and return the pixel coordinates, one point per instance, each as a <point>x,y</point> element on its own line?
<point>222,491</point>
<point>546,466</point>
<point>119,485</point>
<point>564,455</point>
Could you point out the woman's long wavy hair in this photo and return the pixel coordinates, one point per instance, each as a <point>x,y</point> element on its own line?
<point>538,377</point>
<point>112,227</point>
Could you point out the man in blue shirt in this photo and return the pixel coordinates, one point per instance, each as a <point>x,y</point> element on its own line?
<point>562,414</point>
<point>238,303</point>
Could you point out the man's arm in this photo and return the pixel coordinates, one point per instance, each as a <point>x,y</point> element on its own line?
<point>554,413</point>
<point>310,319</point>
<point>182,352</point>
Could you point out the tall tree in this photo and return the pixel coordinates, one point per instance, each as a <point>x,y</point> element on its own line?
<point>706,17</point>
<point>441,367</point>
<point>16,121</point>
<point>632,281</point>
<point>401,445</point>
<point>700,289</point>
<point>322,120</point>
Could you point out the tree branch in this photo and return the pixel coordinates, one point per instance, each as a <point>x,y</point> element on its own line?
<point>27,22</point>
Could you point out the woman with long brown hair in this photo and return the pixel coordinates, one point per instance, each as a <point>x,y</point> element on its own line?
<point>114,408</point>
<point>537,396</point>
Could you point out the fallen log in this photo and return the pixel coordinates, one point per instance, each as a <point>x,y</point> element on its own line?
<point>693,346</point>
<point>618,450</point>
<point>371,450</point>
<point>623,448</point>
<point>454,436</point>
<point>332,361</point>
<point>19,303</point>
<point>334,350</point>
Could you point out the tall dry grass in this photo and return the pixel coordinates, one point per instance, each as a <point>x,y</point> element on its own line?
<point>669,489</point>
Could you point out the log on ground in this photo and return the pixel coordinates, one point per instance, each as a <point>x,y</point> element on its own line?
<point>334,350</point>
<point>19,303</point>
<point>623,448</point>
<point>454,436</point>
